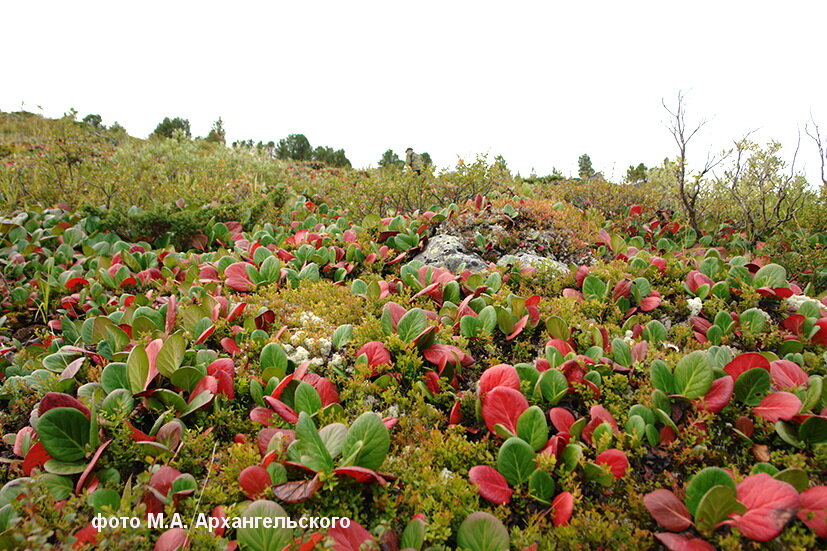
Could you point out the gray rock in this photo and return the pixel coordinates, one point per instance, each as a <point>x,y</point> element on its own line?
<point>447,251</point>
<point>534,261</point>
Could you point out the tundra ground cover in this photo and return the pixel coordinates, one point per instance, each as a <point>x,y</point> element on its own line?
<point>670,391</point>
<point>667,390</point>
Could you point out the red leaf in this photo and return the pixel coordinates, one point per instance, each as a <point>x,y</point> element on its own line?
<point>299,490</point>
<point>86,535</point>
<point>441,354</point>
<point>562,507</point>
<point>172,311</point>
<point>237,277</point>
<point>350,538</point>
<point>58,399</point>
<point>794,323</point>
<point>205,335</point>
<point>503,405</point>
<point>821,335</point>
<point>787,375</point>
<point>254,480</point>
<point>667,510</point>
<point>745,362</point>
<point>92,464</point>
<point>518,327</point>
<point>649,303</point>
<point>229,345</point>
<point>616,460</point>
<point>36,457</point>
<point>361,474</point>
<point>172,539</point>
<point>777,406</point>
<point>432,382</point>
<point>770,505</point>
<point>490,484</point>
<point>745,425</point>
<point>283,410</point>
<point>498,375</point>
<point>717,396</point>
<point>813,511</point>
<point>562,346</point>
<point>677,542</point>
<point>561,418</point>
<point>377,353</point>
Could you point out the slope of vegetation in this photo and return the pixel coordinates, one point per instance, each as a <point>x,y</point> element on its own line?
<point>189,328</point>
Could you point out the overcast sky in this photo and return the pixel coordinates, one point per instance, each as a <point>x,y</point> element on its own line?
<point>536,82</point>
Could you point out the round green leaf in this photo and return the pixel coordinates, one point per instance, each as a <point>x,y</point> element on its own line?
<point>259,538</point>
<point>752,385</point>
<point>704,481</point>
<point>64,433</point>
<point>693,376</point>
<point>370,435</point>
<point>533,428</point>
<point>482,532</point>
<point>515,461</point>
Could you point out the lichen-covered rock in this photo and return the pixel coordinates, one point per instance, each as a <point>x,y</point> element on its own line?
<point>535,261</point>
<point>448,251</point>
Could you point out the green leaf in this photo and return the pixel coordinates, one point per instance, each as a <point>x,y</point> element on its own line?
<point>541,486</point>
<point>655,332</point>
<point>342,335</point>
<point>64,432</point>
<point>488,319</point>
<point>813,430</point>
<point>309,446</point>
<point>481,531</point>
<point>594,288</point>
<point>788,434</point>
<point>114,376</point>
<point>662,378</point>
<point>59,486</point>
<point>414,535</point>
<point>771,275</point>
<point>258,538</point>
<point>533,428</point>
<point>104,499</point>
<point>333,437</point>
<point>598,474</point>
<point>753,320</point>
<point>621,353</point>
<point>63,468</point>
<point>692,375</point>
<point>704,481</point>
<point>137,368</point>
<point>552,385</point>
<point>515,461</point>
<point>371,434</point>
<point>273,355</point>
<point>796,478</point>
<point>715,506</point>
<point>570,458</point>
<point>171,355</point>
<point>752,385</point>
<point>306,398</point>
<point>412,324</point>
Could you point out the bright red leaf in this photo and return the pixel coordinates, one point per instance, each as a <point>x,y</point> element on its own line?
<point>770,505</point>
<point>745,362</point>
<point>490,484</point>
<point>498,375</point>
<point>562,507</point>
<point>503,406</point>
<point>787,375</point>
<point>813,509</point>
<point>717,396</point>
<point>778,406</point>
<point>677,542</point>
<point>616,461</point>
<point>668,510</point>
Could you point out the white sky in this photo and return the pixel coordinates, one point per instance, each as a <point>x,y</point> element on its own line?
<point>538,82</point>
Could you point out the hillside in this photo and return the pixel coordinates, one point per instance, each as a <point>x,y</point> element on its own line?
<point>458,360</point>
